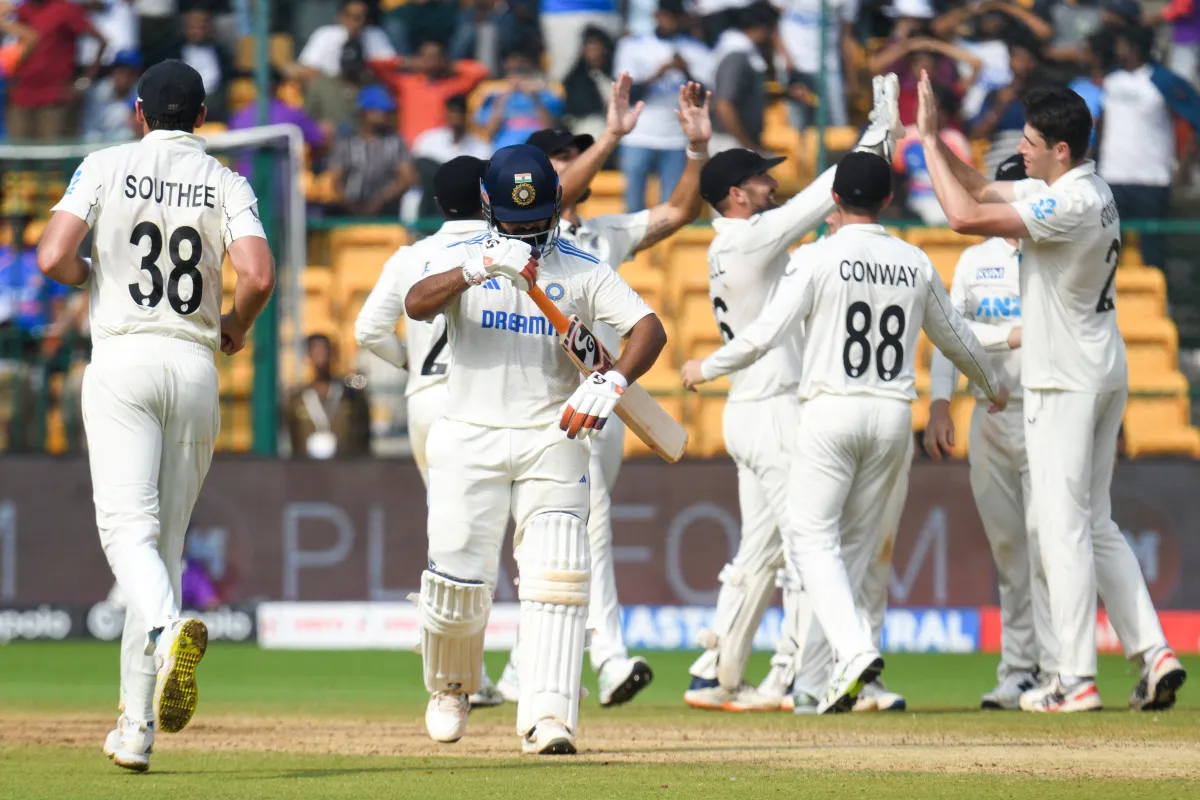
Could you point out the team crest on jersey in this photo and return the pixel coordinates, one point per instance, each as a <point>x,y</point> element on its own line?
<point>989,273</point>
<point>74,180</point>
<point>1043,208</point>
<point>555,291</point>
<point>523,194</point>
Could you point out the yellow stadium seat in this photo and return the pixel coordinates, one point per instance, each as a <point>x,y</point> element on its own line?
<point>1160,426</point>
<point>608,183</point>
<point>358,256</point>
<point>236,434</point>
<point>685,256</point>
<point>647,280</point>
<point>241,93</point>
<point>1152,342</point>
<point>600,204</point>
<point>943,246</point>
<point>211,128</point>
<point>707,422</point>
<point>1141,291</point>
<point>697,324</point>
<point>979,151</point>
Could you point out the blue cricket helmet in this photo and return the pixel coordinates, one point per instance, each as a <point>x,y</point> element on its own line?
<point>520,186</point>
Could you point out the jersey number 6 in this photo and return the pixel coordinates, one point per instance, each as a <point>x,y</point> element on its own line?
<point>182,266</point>
<point>856,334</point>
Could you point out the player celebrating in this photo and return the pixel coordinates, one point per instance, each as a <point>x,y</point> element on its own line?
<point>1075,386</point>
<point>497,448</point>
<point>614,239</point>
<point>862,297</point>
<point>986,292</point>
<point>746,260</point>
<point>163,214</point>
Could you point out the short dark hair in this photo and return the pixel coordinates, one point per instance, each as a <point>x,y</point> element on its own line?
<point>317,337</point>
<point>1139,37</point>
<point>873,210</point>
<point>457,103</point>
<point>170,123</point>
<point>1059,115</point>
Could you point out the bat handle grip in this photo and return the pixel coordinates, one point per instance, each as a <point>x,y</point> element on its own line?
<point>557,319</point>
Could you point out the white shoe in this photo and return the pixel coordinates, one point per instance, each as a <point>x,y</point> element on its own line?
<point>777,684</point>
<point>1051,697</point>
<point>509,684</point>
<point>622,678</point>
<point>707,694</point>
<point>804,703</point>
<point>129,744</point>
<point>748,698</point>
<point>849,678</point>
<point>1162,675</point>
<point>549,738</point>
<point>179,649</point>
<point>446,716</point>
<point>488,695</point>
<point>876,697</point>
<point>1007,694</point>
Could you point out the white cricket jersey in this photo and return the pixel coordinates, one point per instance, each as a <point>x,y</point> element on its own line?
<point>612,238</point>
<point>509,371</point>
<point>162,213</point>
<point>863,297</point>
<point>427,353</point>
<point>1068,270</point>
<point>746,260</point>
<point>986,291</point>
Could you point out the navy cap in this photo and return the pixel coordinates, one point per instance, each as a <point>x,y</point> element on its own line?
<point>456,185</point>
<point>862,179</point>
<point>171,90</point>
<point>520,185</point>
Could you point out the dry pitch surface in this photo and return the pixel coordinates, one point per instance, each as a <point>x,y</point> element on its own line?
<point>332,725</point>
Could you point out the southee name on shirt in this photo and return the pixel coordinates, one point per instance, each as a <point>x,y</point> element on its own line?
<point>171,193</point>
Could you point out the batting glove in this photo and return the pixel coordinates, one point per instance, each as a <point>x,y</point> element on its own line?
<point>588,409</point>
<point>510,259</point>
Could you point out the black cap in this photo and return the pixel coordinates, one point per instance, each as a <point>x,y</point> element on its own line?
<point>171,90</point>
<point>456,185</point>
<point>520,185</point>
<point>556,140</point>
<point>730,168</point>
<point>1012,168</point>
<point>862,179</point>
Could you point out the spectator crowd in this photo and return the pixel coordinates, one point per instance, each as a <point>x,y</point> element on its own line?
<point>387,90</point>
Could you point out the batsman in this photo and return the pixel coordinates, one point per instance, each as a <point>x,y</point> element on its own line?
<point>515,436</point>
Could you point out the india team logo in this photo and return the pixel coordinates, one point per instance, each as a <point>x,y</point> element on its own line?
<point>555,291</point>
<point>523,193</point>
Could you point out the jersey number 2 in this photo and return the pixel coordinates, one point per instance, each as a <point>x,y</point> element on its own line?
<point>182,266</point>
<point>858,325</point>
<point>1113,257</point>
<point>431,366</point>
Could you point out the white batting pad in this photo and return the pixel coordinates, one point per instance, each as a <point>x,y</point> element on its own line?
<point>454,615</point>
<point>797,618</point>
<point>555,564</point>
<point>741,603</point>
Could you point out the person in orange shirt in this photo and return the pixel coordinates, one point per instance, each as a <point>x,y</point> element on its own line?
<point>423,83</point>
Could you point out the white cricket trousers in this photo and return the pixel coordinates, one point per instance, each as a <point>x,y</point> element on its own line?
<point>851,451</point>
<point>604,610</point>
<point>1002,488</point>
<point>424,407</point>
<point>479,475</point>
<point>1071,438</point>
<point>151,415</point>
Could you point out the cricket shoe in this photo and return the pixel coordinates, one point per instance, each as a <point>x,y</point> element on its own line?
<point>509,684</point>
<point>446,716</point>
<point>804,703</point>
<point>778,685</point>
<point>1053,698</point>
<point>549,738</point>
<point>179,648</point>
<point>709,695</point>
<point>849,678</point>
<point>488,696</point>
<point>1007,694</point>
<point>876,697</point>
<point>1162,675</point>
<point>129,744</point>
<point>621,679</point>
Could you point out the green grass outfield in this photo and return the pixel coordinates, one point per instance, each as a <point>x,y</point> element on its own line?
<point>301,725</point>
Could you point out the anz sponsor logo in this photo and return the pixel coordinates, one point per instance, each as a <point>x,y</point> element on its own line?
<point>989,274</point>
<point>998,307</point>
<point>517,323</point>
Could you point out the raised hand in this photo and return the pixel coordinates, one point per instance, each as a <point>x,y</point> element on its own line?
<point>693,113</point>
<point>621,116</point>
<point>927,110</point>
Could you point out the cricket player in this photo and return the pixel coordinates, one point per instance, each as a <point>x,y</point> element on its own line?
<point>497,448</point>
<point>163,214</point>
<point>862,297</point>
<point>615,239</point>
<point>746,260</point>
<point>1075,383</point>
<point>986,292</point>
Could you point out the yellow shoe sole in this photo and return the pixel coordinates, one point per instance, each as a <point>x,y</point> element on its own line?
<point>175,694</point>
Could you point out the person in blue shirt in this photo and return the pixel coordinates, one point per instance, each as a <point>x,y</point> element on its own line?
<point>524,106</point>
<point>1091,86</point>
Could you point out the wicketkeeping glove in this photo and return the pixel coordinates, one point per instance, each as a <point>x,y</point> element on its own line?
<point>511,259</point>
<point>588,409</point>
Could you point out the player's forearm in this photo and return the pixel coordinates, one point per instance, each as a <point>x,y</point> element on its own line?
<point>388,347</point>
<point>251,293</point>
<point>943,378</point>
<point>964,173</point>
<point>433,294</point>
<point>69,269</point>
<point>646,341</point>
<point>58,251</point>
<point>953,196</point>
<point>577,177</point>
<point>994,338</point>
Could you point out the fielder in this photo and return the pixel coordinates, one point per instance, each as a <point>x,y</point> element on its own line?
<point>862,297</point>
<point>163,214</point>
<point>496,449</point>
<point>615,239</point>
<point>746,260</point>
<point>986,292</point>
<point>1075,386</point>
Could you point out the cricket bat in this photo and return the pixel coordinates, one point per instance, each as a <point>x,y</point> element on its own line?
<point>645,417</point>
